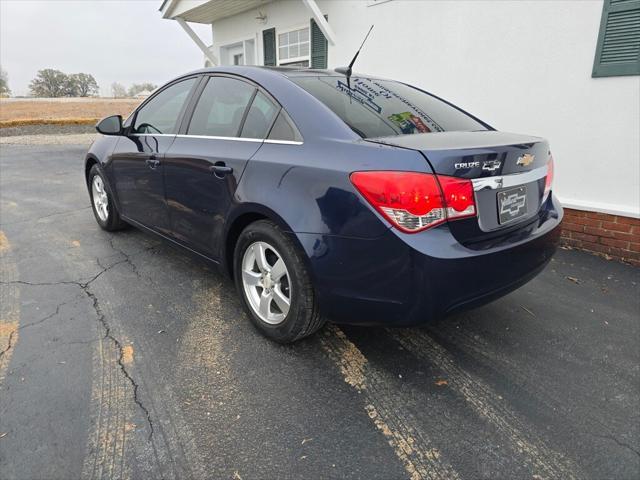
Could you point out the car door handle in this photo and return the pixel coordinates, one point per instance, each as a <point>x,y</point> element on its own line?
<point>220,169</point>
<point>152,162</point>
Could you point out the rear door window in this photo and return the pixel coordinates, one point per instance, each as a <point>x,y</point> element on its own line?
<point>382,108</point>
<point>221,108</point>
<point>259,117</point>
<point>283,129</point>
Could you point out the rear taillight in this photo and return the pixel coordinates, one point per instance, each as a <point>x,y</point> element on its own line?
<point>549,180</point>
<point>414,201</point>
<point>458,197</point>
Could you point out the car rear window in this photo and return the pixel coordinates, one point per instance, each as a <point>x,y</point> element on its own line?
<point>383,108</point>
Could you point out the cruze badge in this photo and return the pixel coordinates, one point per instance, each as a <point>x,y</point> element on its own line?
<point>491,165</point>
<point>525,160</point>
<point>467,165</point>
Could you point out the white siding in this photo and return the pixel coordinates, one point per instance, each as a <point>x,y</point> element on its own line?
<point>522,66</point>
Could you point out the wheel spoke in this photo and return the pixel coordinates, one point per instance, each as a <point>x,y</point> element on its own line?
<point>278,270</point>
<point>280,299</point>
<point>250,278</point>
<point>265,301</point>
<point>263,280</point>
<point>261,257</point>
<point>100,198</point>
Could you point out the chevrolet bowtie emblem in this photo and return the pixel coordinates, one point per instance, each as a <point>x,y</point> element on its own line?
<point>491,165</point>
<point>525,160</point>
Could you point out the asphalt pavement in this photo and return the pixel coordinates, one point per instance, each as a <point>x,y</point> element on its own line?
<point>124,357</point>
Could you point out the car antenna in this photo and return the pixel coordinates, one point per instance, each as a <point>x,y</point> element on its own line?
<point>346,71</point>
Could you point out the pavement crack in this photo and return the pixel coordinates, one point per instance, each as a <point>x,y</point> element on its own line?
<point>9,343</point>
<point>128,256</point>
<point>42,320</point>
<point>107,329</point>
<point>54,214</point>
<point>620,443</point>
<point>84,286</point>
<point>78,283</point>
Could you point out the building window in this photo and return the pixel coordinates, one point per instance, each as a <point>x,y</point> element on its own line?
<point>293,47</point>
<point>618,48</point>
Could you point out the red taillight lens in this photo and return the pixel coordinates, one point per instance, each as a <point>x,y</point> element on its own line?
<point>549,180</point>
<point>414,201</point>
<point>458,197</point>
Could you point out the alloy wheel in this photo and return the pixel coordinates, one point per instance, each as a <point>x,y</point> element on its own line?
<point>100,199</point>
<point>266,282</point>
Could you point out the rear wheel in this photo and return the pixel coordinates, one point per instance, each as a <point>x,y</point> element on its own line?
<point>274,283</point>
<point>102,203</point>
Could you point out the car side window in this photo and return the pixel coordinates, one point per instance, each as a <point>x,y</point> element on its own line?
<point>284,129</point>
<point>259,117</point>
<point>160,114</point>
<point>221,108</point>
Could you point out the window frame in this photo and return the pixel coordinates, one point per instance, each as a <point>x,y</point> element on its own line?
<point>206,78</point>
<point>131,121</point>
<point>197,93</point>
<point>299,58</point>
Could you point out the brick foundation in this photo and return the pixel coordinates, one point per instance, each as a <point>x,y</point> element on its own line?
<point>613,236</point>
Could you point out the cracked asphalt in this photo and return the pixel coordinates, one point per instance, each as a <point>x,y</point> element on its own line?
<point>122,357</point>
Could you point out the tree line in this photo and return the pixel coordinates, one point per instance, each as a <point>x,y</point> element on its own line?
<point>4,84</point>
<point>54,83</point>
<point>120,91</point>
<point>51,83</point>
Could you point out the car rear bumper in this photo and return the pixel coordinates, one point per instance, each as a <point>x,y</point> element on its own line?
<point>406,279</point>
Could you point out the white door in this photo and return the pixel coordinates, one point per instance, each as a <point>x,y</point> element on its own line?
<point>232,54</point>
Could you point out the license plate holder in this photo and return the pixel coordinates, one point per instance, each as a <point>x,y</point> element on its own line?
<point>512,204</point>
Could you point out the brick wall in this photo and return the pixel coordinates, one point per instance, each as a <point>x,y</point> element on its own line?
<point>610,235</point>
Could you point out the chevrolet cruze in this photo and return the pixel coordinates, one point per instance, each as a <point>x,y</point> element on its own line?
<point>360,200</point>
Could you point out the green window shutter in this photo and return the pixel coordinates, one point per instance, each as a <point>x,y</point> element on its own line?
<point>618,49</point>
<point>319,46</point>
<point>269,46</point>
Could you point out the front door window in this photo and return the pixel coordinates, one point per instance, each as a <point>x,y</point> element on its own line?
<point>160,114</point>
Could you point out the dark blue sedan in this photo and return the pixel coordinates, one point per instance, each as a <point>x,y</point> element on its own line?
<point>361,200</point>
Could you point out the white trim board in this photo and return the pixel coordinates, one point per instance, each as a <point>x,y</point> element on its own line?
<point>611,209</point>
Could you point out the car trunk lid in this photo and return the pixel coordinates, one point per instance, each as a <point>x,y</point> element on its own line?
<point>507,170</point>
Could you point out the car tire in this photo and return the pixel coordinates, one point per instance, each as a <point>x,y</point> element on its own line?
<point>102,204</point>
<point>259,277</point>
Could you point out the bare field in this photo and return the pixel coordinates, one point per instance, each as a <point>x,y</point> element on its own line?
<point>31,110</point>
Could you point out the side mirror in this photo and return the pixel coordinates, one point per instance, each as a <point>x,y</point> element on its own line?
<point>110,125</point>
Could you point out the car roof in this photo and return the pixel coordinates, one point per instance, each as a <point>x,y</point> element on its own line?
<point>312,117</point>
<point>284,71</point>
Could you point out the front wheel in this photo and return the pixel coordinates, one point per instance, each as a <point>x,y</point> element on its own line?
<point>102,203</point>
<point>274,283</point>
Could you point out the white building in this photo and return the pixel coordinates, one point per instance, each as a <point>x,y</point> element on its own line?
<point>521,66</point>
<point>143,94</point>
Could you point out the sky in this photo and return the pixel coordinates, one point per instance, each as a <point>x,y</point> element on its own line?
<point>125,41</point>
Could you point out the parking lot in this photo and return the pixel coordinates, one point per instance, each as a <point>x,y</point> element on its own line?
<point>123,357</point>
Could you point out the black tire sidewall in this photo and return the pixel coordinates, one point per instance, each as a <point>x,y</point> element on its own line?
<point>289,329</point>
